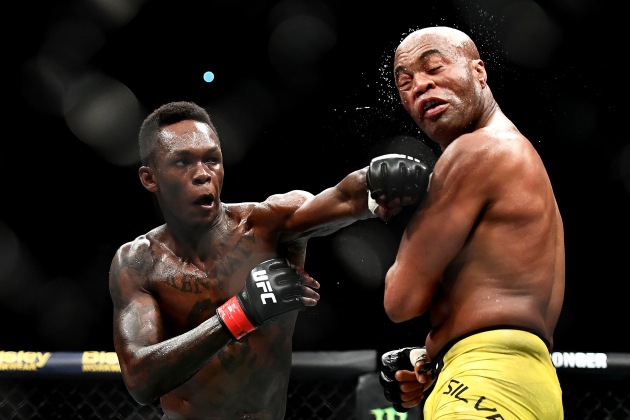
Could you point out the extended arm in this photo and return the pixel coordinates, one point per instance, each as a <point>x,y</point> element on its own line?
<point>392,181</point>
<point>331,209</point>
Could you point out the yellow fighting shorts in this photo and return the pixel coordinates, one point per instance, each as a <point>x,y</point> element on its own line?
<point>496,374</point>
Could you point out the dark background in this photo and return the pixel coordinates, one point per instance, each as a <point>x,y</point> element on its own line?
<point>302,95</point>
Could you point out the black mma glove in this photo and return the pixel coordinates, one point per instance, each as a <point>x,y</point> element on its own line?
<point>272,288</point>
<point>394,360</point>
<point>396,176</point>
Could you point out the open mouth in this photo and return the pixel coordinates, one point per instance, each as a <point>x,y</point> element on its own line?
<point>430,105</point>
<point>205,200</point>
<point>432,109</point>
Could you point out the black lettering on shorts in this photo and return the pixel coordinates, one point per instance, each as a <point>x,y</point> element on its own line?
<point>457,390</point>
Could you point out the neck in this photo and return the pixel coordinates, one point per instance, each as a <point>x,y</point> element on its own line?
<point>489,115</point>
<point>193,238</point>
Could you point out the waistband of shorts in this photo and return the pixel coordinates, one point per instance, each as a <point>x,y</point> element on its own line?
<point>438,362</point>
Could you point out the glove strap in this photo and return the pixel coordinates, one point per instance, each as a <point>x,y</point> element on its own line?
<point>232,315</point>
<point>372,204</point>
<point>419,353</point>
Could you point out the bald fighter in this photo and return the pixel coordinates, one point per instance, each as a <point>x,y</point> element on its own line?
<point>483,255</point>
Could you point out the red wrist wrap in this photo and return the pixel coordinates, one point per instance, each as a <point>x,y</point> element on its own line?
<point>233,317</point>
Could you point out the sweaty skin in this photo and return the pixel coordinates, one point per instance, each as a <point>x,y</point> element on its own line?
<point>166,285</point>
<point>486,248</point>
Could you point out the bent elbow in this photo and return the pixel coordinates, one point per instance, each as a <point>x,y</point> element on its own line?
<point>394,313</point>
<point>143,400</point>
<point>402,302</point>
<point>394,305</point>
<point>402,308</point>
<point>139,386</point>
<point>142,395</point>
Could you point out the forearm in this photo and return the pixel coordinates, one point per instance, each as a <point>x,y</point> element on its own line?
<point>154,370</point>
<point>330,210</point>
<point>347,202</point>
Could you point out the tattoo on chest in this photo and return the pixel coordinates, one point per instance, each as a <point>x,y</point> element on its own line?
<point>187,282</point>
<point>196,281</point>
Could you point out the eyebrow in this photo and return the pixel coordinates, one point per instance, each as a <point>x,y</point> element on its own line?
<point>422,57</point>
<point>188,152</point>
<point>427,53</point>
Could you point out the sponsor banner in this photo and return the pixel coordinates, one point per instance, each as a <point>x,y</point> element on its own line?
<point>58,363</point>
<point>25,362</point>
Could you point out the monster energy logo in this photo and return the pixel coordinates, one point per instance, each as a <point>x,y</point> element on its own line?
<point>389,413</point>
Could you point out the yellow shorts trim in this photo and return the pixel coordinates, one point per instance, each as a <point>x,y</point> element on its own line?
<point>496,374</point>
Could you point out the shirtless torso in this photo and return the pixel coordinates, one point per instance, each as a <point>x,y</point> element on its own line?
<point>486,248</point>
<point>248,377</point>
<point>167,285</point>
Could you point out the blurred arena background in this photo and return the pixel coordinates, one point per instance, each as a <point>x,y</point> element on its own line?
<point>301,93</point>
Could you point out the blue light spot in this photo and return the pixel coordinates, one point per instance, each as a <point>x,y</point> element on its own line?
<point>208,76</point>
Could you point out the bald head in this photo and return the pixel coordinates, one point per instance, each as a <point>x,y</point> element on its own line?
<point>448,41</point>
<point>442,82</point>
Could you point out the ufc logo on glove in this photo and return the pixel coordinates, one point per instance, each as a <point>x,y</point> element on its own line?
<point>262,281</point>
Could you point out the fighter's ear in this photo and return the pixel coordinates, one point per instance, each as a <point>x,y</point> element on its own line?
<point>479,69</point>
<point>145,173</point>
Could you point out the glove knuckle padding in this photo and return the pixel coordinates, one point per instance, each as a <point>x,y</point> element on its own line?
<point>272,288</point>
<point>397,175</point>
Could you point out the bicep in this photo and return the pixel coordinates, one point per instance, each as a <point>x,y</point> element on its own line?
<point>137,319</point>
